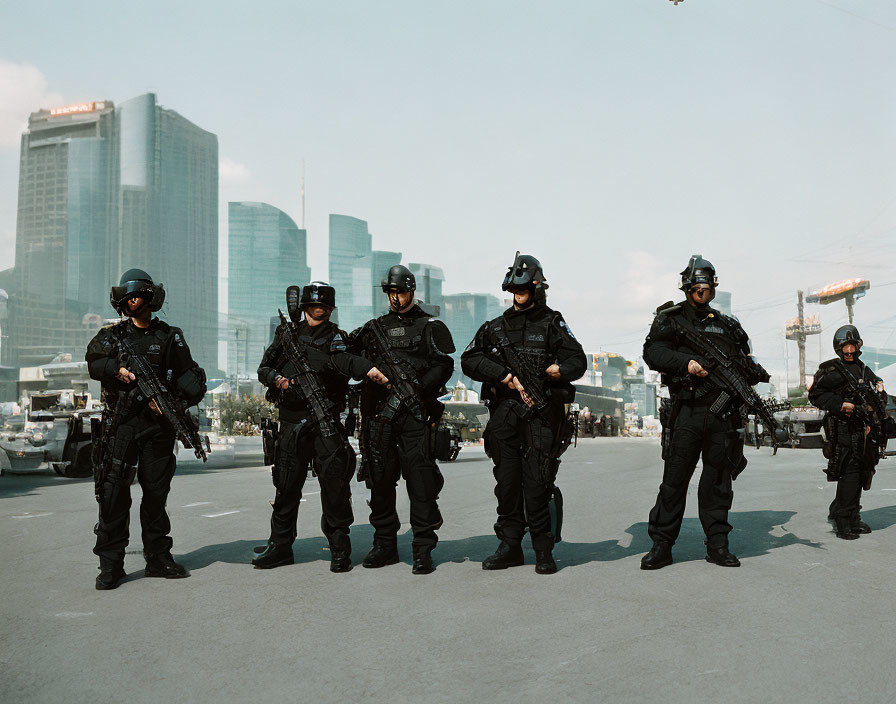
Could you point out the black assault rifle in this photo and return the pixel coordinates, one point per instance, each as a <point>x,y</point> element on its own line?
<point>173,409</point>
<point>307,380</point>
<point>402,379</point>
<point>731,373</point>
<point>863,396</point>
<point>529,378</point>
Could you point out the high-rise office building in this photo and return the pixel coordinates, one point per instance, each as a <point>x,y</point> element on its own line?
<point>267,253</point>
<point>101,190</point>
<point>66,221</point>
<point>464,313</point>
<point>722,302</point>
<point>430,280</point>
<point>351,259</point>
<point>381,262</point>
<point>168,216</point>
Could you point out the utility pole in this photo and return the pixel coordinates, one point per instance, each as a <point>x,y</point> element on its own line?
<point>801,340</point>
<point>303,194</point>
<point>798,329</point>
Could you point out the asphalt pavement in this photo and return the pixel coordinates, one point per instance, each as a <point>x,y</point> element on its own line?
<point>807,618</point>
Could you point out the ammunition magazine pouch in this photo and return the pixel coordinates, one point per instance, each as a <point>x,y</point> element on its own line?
<point>441,443</point>
<point>269,435</point>
<point>564,435</point>
<point>376,449</point>
<point>731,443</point>
<point>668,413</point>
<point>890,427</point>
<point>868,476</point>
<point>114,464</point>
<point>555,506</point>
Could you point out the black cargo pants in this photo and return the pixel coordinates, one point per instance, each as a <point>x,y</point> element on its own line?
<point>698,432</point>
<point>402,449</point>
<point>147,449</point>
<point>298,445</point>
<point>519,444</point>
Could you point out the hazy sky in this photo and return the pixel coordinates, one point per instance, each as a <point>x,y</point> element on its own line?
<point>612,139</point>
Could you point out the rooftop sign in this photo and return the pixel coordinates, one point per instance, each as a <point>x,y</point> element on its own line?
<point>855,288</point>
<point>77,108</point>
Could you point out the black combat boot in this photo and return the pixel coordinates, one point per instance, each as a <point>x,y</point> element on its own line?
<point>274,556</point>
<point>111,573</point>
<point>380,556</point>
<point>660,555</point>
<point>859,526</point>
<point>163,565</point>
<point>340,552</point>
<point>422,562</point>
<point>720,556</point>
<point>505,556</point>
<point>544,562</point>
<point>258,549</point>
<point>844,530</point>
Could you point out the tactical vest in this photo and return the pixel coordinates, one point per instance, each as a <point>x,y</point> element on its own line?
<point>721,333</point>
<point>318,348</point>
<point>406,337</point>
<point>151,343</point>
<point>529,338</point>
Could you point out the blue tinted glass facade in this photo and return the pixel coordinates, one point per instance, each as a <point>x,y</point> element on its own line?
<point>351,261</point>
<point>464,313</point>
<point>267,253</point>
<point>169,216</point>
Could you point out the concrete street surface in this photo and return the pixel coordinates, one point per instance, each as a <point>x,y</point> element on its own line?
<point>807,618</point>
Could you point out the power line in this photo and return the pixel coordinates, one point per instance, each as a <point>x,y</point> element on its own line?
<point>856,15</point>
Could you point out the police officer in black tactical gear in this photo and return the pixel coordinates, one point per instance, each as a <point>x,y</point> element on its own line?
<point>523,441</point>
<point>855,429</point>
<point>397,434</point>
<point>143,444</point>
<point>300,441</point>
<point>703,419</point>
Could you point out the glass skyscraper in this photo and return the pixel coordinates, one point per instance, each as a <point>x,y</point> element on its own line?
<point>101,190</point>
<point>267,253</point>
<point>168,216</point>
<point>382,261</point>
<point>351,261</point>
<point>429,283</point>
<point>464,313</point>
<point>67,218</point>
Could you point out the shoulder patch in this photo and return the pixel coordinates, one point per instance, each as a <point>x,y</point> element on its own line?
<point>562,323</point>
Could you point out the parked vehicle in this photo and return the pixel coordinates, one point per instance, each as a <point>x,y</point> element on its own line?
<point>53,430</point>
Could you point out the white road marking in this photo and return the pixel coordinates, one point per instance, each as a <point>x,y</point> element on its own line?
<point>74,614</point>
<point>215,515</point>
<point>198,503</point>
<point>33,515</point>
<point>309,493</point>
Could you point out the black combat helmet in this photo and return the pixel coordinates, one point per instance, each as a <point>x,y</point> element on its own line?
<point>136,283</point>
<point>844,335</point>
<point>318,293</point>
<point>525,272</point>
<point>400,279</point>
<point>699,271</point>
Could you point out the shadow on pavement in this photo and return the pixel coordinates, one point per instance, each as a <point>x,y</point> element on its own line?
<point>28,483</point>
<point>13,485</point>
<point>880,518</point>
<point>751,537</point>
